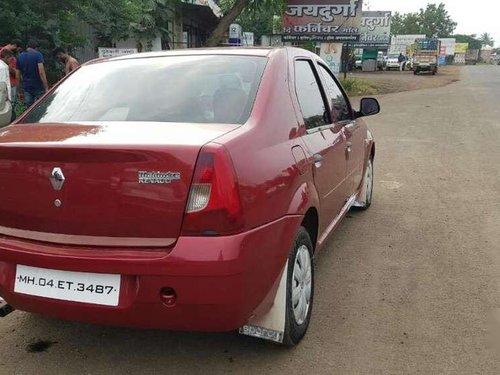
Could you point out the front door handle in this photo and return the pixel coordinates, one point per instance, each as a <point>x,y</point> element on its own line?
<point>348,149</point>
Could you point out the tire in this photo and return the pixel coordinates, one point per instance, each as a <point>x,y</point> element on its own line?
<point>368,181</point>
<point>300,279</point>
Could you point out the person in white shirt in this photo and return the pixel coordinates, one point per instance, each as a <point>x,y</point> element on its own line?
<point>6,113</point>
<point>4,71</point>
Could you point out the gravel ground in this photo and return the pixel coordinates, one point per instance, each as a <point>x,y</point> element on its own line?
<point>394,81</point>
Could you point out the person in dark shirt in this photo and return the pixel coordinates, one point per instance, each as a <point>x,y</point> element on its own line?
<point>30,74</point>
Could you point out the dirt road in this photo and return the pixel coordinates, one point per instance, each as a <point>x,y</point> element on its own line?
<point>404,288</point>
<point>395,81</point>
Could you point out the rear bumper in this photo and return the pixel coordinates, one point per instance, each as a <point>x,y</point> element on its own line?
<point>219,281</point>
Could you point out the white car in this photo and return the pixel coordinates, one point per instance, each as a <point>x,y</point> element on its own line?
<point>392,62</point>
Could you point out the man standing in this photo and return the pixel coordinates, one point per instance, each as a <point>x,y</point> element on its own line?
<point>14,47</point>
<point>30,74</point>
<point>5,55</point>
<point>70,63</point>
<point>5,116</point>
<point>402,61</point>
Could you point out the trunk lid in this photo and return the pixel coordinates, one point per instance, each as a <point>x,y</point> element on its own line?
<point>112,184</point>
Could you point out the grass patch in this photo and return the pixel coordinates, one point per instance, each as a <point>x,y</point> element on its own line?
<point>358,87</point>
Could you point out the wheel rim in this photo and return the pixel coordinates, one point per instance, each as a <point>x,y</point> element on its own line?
<point>301,284</point>
<point>369,182</point>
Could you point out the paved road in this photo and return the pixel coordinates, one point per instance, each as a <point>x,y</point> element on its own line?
<point>407,287</point>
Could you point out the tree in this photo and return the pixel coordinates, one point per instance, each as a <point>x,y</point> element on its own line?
<point>249,10</point>
<point>474,43</point>
<point>433,21</point>
<point>487,40</point>
<point>405,24</point>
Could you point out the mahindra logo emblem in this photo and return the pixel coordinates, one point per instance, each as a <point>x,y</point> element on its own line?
<point>57,178</point>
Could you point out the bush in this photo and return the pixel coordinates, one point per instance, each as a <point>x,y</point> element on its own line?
<point>358,87</point>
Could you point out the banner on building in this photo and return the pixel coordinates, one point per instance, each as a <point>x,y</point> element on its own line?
<point>248,39</point>
<point>115,52</point>
<point>459,58</point>
<point>322,20</point>
<point>461,48</point>
<point>375,29</point>
<point>402,43</point>
<point>448,45</point>
<point>331,53</point>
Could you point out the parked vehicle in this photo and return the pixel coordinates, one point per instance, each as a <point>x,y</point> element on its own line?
<point>471,56</point>
<point>381,61</point>
<point>425,57</point>
<point>409,64</point>
<point>358,65</point>
<point>193,201</point>
<point>392,62</point>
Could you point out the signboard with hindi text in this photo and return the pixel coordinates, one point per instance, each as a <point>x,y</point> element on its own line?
<point>461,48</point>
<point>402,43</point>
<point>447,46</point>
<point>322,20</point>
<point>375,29</point>
<point>115,52</point>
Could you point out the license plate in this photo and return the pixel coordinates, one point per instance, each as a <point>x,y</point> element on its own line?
<point>96,288</point>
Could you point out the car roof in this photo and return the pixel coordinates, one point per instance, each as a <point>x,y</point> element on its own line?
<point>235,51</point>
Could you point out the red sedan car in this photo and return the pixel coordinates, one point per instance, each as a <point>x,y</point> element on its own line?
<point>184,190</point>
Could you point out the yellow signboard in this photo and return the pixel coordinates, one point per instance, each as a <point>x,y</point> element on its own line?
<point>461,47</point>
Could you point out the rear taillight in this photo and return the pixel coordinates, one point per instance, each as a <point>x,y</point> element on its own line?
<point>214,206</point>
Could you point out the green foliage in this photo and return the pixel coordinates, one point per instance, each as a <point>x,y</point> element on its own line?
<point>433,21</point>
<point>271,6</point>
<point>53,22</point>
<point>358,87</point>
<point>487,40</point>
<point>261,20</point>
<point>256,16</point>
<point>474,43</point>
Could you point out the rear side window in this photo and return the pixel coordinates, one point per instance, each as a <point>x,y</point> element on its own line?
<point>339,106</point>
<point>309,95</point>
<point>193,89</point>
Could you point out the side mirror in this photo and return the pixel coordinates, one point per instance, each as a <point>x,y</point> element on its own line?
<point>5,106</point>
<point>369,107</point>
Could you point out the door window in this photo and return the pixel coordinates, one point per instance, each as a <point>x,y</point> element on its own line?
<point>309,95</point>
<point>340,108</point>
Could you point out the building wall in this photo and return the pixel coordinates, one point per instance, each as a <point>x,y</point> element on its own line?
<point>184,33</point>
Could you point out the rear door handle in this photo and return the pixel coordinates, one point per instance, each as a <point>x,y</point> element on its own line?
<point>317,160</point>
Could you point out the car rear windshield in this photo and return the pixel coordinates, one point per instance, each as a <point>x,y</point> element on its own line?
<point>194,89</point>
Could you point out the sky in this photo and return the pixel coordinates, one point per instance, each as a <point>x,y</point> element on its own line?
<point>473,17</point>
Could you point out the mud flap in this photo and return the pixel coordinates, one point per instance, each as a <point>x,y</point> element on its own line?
<point>361,197</point>
<point>270,326</point>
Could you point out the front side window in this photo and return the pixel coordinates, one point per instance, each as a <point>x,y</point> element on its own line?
<point>309,95</point>
<point>193,89</point>
<point>338,103</point>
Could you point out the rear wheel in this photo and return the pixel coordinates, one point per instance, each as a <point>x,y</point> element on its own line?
<point>368,187</point>
<point>300,289</point>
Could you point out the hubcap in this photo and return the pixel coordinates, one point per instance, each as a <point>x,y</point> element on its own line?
<point>369,182</point>
<point>301,284</point>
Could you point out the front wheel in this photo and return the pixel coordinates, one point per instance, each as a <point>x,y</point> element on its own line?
<point>300,289</point>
